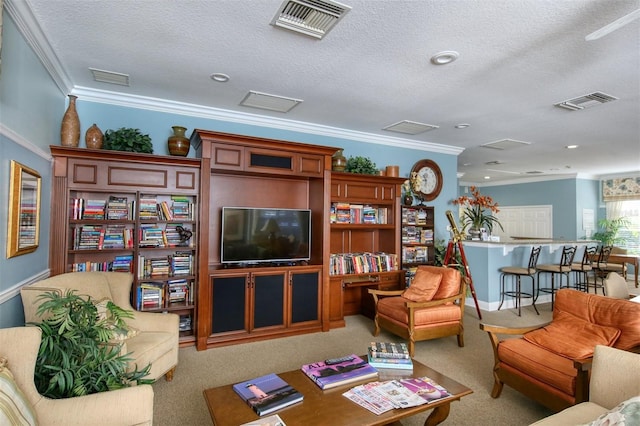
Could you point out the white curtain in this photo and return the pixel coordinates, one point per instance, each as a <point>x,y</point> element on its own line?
<point>613,209</point>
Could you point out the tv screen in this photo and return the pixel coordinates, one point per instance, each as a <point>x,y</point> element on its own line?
<point>254,235</point>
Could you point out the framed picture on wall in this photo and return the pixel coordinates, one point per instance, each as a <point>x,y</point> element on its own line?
<point>23,231</point>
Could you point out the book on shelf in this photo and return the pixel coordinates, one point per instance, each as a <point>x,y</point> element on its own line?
<point>389,350</point>
<point>268,393</point>
<point>391,363</point>
<point>335,372</point>
<point>272,420</point>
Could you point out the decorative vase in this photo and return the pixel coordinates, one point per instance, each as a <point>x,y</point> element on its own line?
<point>93,137</point>
<point>178,143</point>
<point>474,233</point>
<point>407,200</point>
<point>338,161</point>
<point>70,128</point>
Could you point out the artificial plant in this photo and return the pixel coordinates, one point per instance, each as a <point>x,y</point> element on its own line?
<point>77,354</point>
<point>609,229</point>
<point>361,165</point>
<point>127,139</point>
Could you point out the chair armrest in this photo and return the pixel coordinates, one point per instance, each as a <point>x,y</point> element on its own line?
<point>418,305</point>
<point>385,292</point>
<point>155,321</point>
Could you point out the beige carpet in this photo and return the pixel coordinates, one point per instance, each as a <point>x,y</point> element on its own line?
<point>181,402</point>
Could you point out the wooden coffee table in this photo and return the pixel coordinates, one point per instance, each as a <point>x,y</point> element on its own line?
<point>330,407</point>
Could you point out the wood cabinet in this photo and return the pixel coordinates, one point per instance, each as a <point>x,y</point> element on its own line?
<point>137,213</point>
<point>417,231</point>
<point>263,303</point>
<point>364,241</point>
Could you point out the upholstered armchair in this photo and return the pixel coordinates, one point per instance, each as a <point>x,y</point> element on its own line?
<point>19,347</point>
<point>156,340</point>
<point>430,308</point>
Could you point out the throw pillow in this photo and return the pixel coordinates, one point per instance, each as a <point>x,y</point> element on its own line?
<point>119,334</point>
<point>423,286</point>
<point>15,409</point>
<point>572,337</point>
<point>626,413</point>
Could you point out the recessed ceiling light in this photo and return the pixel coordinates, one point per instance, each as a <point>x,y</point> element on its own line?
<point>219,77</point>
<point>487,177</point>
<point>571,146</point>
<point>443,58</point>
<point>462,125</point>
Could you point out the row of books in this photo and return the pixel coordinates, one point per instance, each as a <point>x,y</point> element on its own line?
<point>269,393</point>
<point>99,237</point>
<point>362,263</point>
<point>415,254</point>
<point>358,214</point>
<point>120,208</point>
<point>416,235</point>
<point>153,295</point>
<point>414,216</point>
<point>176,264</point>
<point>118,264</point>
<point>171,235</point>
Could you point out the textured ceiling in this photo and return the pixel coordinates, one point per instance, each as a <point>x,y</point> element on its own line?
<point>517,59</point>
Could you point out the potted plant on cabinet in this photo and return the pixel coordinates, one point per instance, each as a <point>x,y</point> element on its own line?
<point>361,165</point>
<point>79,353</point>
<point>478,212</point>
<point>127,139</point>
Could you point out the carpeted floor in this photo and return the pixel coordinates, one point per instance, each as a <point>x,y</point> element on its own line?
<point>181,402</point>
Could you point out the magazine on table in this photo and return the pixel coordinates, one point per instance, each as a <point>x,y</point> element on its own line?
<point>267,394</point>
<point>335,372</point>
<point>426,388</point>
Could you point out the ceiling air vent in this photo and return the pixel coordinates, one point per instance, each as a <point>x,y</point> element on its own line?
<point>409,127</point>
<point>504,144</point>
<point>314,18</point>
<point>270,102</point>
<point>110,77</point>
<point>586,101</point>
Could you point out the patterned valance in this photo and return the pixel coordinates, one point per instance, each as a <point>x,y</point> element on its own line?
<point>621,189</point>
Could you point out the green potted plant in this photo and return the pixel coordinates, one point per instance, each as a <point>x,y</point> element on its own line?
<point>609,229</point>
<point>78,354</point>
<point>478,212</point>
<point>361,165</point>
<point>127,139</point>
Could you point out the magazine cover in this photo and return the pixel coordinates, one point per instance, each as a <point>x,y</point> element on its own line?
<point>426,388</point>
<point>267,394</point>
<point>339,371</point>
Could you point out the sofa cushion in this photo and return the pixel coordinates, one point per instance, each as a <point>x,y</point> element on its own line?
<point>450,284</point>
<point>423,286</point>
<point>618,313</point>
<point>395,308</point>
<point>550,368</point>
<point>572,337</point>
<point>15,409</point>
<point>625,413</point>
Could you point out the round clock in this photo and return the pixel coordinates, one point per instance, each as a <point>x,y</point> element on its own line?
<point>430,179</point>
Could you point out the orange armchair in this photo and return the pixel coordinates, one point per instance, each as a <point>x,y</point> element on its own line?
<point>430,308</point>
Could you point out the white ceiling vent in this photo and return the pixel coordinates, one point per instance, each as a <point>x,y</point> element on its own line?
<point>270,102</point>
<point>314,18</point>
<point>410,127</point>
<point>110,77</point>
<point>586,101</point>
<point>504,144</point>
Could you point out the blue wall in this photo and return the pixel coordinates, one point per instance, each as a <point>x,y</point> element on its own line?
<point>31,106</point>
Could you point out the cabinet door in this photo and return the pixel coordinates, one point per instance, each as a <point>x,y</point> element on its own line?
<point>268,300</point>
<point>229,306</point>
<point>305,297</point>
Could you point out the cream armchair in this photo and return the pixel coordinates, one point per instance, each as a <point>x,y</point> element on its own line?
<point>158,339</point>
<point>128,406</point>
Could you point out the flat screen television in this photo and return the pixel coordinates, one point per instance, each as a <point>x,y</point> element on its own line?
<point>256,235</point>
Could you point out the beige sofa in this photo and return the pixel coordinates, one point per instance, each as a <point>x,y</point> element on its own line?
<point>156,343</point>
<point>128,406</point>
<point>615,378</point>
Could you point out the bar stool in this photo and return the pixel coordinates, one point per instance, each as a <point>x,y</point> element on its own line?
<point>600,269</point>
<point>563,269</point>
<point>518,273</point>
<point>582,270</point>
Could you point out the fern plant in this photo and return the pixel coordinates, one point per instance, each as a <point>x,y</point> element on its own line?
<point>77,356</point>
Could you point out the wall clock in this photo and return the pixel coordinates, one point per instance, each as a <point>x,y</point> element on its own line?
<point>431,179</point>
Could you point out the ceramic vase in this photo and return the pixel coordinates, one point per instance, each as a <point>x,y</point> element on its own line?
<point>93,137</point>
<point>178,143</point>
<point>70,128</point>
<point>338,161</point>
<point>407,200</point>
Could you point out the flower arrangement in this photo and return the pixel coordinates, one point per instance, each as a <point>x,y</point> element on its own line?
<point>411,185</point>
<point>475,214</point>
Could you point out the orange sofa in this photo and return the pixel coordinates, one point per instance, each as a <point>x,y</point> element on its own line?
<point>550,363</point>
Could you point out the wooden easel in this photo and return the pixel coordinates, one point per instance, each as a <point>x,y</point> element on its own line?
<point>455,246</point>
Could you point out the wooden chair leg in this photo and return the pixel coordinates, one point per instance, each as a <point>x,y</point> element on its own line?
<point>497,388</point>
<point>377,329</point>
<point>169,374</point>
<point>461,339</point>
<point>412,347</point>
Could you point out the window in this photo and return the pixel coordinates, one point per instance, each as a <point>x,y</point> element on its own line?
<point>631,233</point>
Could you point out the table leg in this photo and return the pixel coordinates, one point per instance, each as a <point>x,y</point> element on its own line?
<point>438,415</point>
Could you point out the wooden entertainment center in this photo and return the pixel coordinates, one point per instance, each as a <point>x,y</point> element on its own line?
<point>232,303</point>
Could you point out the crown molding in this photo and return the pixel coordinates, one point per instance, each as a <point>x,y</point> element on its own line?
<point>16,138</point>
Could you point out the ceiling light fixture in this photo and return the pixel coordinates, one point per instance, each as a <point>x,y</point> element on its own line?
<point>443,58</point>
<point>462,125</point>
<point>487,177</point>
<point>219,77</point>
<point>571,146</point>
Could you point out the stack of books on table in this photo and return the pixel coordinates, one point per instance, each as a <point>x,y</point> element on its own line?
<point>334,372</point>
<point>389,355</point>
<point>266,394</point>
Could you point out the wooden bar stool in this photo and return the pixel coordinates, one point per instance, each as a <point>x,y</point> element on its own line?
<point>582,270</point>
<point>563,269</point>
<point>517,273</point>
